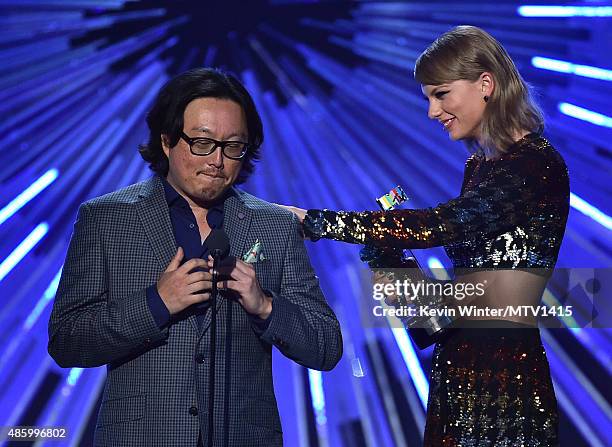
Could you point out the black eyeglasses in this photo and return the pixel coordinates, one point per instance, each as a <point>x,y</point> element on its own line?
<point>234,150</point>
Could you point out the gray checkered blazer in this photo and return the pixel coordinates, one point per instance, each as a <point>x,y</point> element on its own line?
<point>156,393</point>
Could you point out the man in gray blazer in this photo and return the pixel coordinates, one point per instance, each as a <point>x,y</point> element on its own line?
<point>135,289</point>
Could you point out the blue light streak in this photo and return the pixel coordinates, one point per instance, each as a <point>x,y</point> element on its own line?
<point>28,194</point>
<point>564,11</point>
<point>315,379</point>
<point>585,114</point>
<point>23,249</point>
<point>412,362</point>
<point>589,210</point>
<point>560,66</point>
<point>73,376</point>
<point>437,268</point>
<point>42,302</point>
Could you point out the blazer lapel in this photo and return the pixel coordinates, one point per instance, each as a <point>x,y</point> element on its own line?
<point>155,217</point>
<point>236,224</point>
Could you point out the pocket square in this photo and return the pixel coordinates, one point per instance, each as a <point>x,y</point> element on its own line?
<point>255,254</point>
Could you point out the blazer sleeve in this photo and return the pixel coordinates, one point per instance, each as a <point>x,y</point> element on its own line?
<point>86,327</point>
<point>302,325</point>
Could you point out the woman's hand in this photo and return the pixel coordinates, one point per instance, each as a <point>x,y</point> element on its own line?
<point>299,212</point>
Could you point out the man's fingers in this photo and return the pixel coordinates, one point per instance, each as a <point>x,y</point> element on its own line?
<point>243,267</point>
<point>198,276</point>
<point>230,284</point>
<point>199,286</point>
<point>224,270</point>
<point>198,298</point>
<point>233,272</point>
<point>192,264</point>
<point>176,260</point>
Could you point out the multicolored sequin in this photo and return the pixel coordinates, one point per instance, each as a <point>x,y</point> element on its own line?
<point>491,388</point>
<point>511,214</point>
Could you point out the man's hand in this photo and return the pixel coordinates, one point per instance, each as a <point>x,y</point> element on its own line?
<point>244,282</point>
<point>179,285</point>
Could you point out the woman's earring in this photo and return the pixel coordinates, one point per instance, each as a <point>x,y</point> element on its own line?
<point>486,99</point>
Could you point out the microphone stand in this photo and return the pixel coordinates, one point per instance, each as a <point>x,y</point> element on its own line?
<point>216,254</point>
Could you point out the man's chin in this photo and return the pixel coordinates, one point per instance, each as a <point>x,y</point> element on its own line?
<point>208,196</point>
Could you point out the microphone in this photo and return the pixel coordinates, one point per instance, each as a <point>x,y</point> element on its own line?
<point>219,246</point>
<point>218,243</point>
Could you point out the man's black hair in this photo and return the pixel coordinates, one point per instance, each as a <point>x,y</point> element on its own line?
<point>166,115</point>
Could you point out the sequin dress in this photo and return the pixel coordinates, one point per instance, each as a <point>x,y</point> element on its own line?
<point>488,387</point>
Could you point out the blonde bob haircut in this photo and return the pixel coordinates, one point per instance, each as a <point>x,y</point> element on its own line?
<point>465,52</point>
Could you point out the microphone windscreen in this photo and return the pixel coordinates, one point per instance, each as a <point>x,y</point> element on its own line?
<point>217,240</point>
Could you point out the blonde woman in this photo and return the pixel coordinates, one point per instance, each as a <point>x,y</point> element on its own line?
<point>490,382</point>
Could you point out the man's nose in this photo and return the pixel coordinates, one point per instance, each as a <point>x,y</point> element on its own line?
<point>216,158</point>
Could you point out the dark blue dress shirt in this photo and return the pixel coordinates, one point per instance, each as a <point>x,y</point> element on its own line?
<point>187,235</point>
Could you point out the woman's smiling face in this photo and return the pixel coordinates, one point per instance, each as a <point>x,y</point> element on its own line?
<point>459,105</point>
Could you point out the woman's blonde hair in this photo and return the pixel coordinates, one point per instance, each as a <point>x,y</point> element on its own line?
<point>465,52</point>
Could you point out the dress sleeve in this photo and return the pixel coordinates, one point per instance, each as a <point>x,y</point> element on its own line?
<point>506,197</point>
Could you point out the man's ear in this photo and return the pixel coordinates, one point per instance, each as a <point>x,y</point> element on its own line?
<point>165,142</point>
<point>487,83</point>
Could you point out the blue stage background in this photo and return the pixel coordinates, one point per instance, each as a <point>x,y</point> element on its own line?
<point>344,122</point>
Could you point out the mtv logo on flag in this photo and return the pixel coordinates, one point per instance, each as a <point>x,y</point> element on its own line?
<point>392,199</point>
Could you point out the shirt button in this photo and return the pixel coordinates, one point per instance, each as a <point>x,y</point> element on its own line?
<point>193,411</point>
<point>199,358</point>
<point>191,225</point>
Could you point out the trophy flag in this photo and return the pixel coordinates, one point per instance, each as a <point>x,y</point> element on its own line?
<point>392,199</point>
